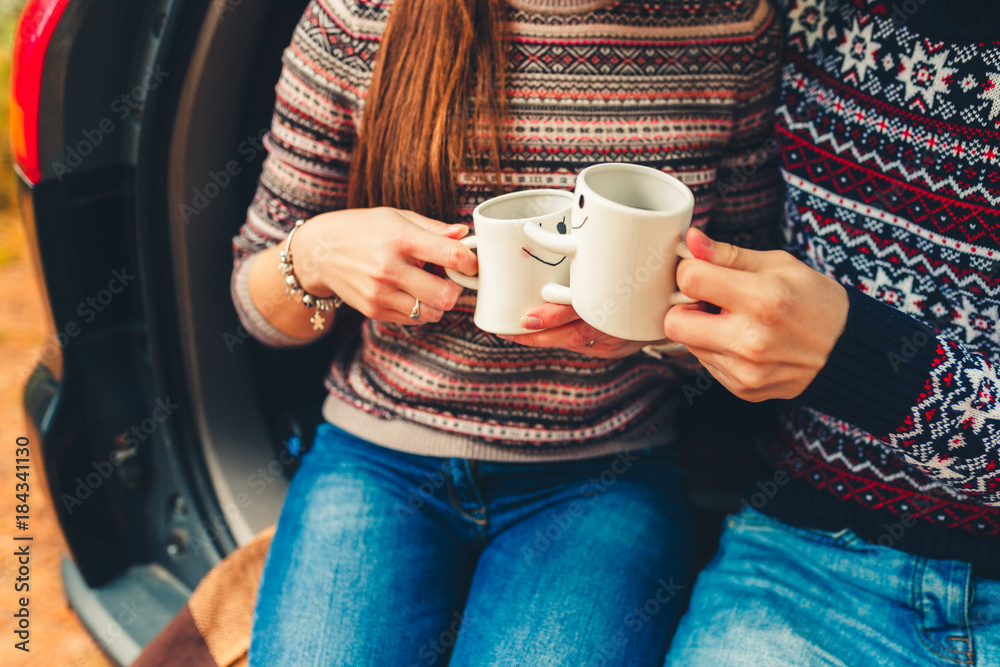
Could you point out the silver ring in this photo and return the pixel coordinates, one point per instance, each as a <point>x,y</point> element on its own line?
<point>591,343</point>
<point>415,313</point>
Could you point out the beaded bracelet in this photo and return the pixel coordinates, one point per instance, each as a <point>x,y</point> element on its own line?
<point>295,290</point>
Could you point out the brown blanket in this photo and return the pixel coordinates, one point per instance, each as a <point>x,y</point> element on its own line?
<point>213,628</point>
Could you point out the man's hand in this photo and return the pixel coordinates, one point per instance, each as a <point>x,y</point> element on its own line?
<point>778,323</point>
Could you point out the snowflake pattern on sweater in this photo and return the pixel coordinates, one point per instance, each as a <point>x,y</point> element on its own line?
<point>890,143</point>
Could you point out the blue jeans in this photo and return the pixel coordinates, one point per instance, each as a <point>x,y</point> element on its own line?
<point>781,596</point>
<point>390,559</point>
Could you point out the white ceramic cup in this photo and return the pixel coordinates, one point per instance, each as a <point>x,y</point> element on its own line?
<point>628,221</point>
<point>514,271</point>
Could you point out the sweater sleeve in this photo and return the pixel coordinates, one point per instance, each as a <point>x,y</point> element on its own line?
<point>308,159</point>
<point>930,399</point>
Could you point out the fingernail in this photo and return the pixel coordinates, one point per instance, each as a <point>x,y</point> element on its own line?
<point>531,322</point>
<point>703,240</point>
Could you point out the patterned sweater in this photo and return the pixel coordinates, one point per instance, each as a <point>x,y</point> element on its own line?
<point>687,87</point>
<point>890,138</point>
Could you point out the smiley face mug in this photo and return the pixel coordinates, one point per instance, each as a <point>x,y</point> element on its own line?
<point>514,271</point>
<point>628,221</point>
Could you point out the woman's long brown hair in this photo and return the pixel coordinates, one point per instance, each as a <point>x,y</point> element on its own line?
<point>435,105</point>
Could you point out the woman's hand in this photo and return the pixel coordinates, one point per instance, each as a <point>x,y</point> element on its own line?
<point>563,328</point>
<point>778,323</point>
<point>373,259</point>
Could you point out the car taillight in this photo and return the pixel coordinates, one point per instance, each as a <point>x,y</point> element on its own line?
<point>31,40</point>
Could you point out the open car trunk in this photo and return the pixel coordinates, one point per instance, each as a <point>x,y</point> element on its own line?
<point>162,427</point>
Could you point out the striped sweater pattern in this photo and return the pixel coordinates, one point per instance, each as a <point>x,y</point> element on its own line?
<point>686,87</point>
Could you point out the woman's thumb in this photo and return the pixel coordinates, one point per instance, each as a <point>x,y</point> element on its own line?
<point>717,253</point>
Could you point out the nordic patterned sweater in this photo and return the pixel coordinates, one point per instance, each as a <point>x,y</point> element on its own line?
<point>890,140</point>
<point>687,87</point>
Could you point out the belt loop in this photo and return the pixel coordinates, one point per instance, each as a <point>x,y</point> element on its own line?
<point>968,590</point>
<point>942,602</point>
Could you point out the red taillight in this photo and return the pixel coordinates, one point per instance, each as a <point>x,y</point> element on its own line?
<point>31,40</point>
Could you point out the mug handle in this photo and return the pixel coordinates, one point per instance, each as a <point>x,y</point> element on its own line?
<point>679,297</point>
<point>560,244</point>
<point>556,293</point>
<point>472,282</point>
<point>561,294</point>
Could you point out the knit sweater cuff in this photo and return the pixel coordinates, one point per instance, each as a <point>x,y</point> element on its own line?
<point>877,368</point>
<point>250,317</point>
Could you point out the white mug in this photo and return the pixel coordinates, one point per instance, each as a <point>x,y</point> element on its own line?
<point>514,271</point>
<point>628,221</point>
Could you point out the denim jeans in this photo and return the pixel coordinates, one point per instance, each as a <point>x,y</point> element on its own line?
<point>781,596</point>
<point>391,559</point>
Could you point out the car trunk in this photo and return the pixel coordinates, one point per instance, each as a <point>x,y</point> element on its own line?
<point>161,425</point>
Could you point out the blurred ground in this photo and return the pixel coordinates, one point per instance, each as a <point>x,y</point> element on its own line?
<point>57,638</point>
